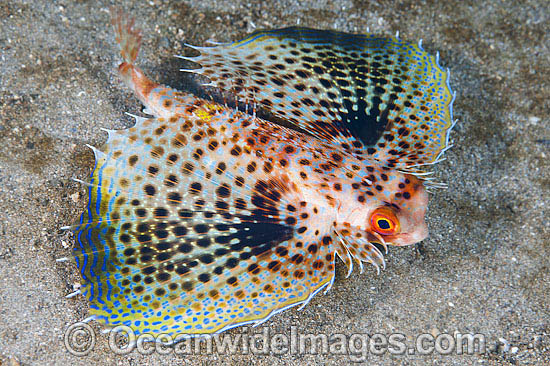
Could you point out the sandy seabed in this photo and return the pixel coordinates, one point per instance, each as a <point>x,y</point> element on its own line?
<point>484,268</point>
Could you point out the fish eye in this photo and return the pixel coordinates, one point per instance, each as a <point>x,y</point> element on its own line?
<point>384,221</point>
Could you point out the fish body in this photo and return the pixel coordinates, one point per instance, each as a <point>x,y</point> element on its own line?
<point>203,217</point>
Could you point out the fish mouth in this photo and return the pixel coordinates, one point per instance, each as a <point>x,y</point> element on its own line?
<point>404,239</point>
<point>399,240</point>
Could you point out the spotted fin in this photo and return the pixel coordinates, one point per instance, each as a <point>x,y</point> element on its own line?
<point>177,241</point>
<point>359,245</point>
<point>381,97</point>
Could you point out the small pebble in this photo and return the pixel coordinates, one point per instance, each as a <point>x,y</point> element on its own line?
<point>75,197</point>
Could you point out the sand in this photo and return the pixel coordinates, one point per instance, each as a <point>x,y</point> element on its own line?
<point>484,268</point>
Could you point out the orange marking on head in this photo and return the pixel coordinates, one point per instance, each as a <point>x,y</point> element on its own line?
<point>411,217</point>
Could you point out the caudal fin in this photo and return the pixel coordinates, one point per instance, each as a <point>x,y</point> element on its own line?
<point>129,40</point>
<point>128,37</point>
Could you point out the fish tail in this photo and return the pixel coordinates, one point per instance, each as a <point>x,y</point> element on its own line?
<point>129,40</point>
<point>128,37</point>
<point>159,100</point>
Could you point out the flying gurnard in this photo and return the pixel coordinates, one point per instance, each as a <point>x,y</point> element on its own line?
<point>203,217</point>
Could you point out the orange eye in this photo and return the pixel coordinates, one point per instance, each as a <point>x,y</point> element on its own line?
<point>384,221</point>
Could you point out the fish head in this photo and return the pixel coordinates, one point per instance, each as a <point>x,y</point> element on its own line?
<point>395,215</point>
<point>400,219</point>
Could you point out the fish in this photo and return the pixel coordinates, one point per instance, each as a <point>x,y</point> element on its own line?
<point>204,216</point>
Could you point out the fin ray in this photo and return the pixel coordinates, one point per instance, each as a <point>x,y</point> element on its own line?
<point>381,97</point>
<point>219,255</point>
